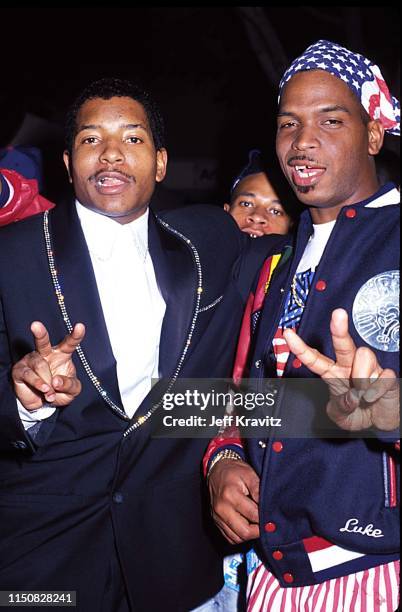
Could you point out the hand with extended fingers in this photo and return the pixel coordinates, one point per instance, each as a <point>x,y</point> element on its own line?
<point>47,375</point>
<point>362,393</point>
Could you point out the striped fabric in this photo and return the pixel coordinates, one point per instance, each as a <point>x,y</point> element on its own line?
<point>251,316</point>
<point>372,590</point>
<point>281,351</point>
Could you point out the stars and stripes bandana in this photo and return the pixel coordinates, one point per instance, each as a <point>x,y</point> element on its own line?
<point>360,74</point>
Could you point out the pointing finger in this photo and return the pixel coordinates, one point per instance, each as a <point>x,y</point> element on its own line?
<point>342,341</point>
<point>311,358</point>
<point>41,339</point>
<point>72,340</point>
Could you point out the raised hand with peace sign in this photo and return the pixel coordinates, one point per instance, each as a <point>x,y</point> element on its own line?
<point>47,375</point>
<point>362,393</point>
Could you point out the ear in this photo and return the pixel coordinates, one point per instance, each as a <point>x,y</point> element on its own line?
<point>375,131</point>
<point>161,164</point>
<point>226,207</point>
<point>66,159</point>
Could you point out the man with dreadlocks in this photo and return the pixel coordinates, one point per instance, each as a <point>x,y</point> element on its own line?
<point>324,509</point>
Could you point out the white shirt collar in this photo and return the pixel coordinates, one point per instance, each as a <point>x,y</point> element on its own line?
<point>390,197</point>
<point>101,232</point>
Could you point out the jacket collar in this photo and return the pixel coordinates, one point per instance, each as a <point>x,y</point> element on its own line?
<point>175,274</point>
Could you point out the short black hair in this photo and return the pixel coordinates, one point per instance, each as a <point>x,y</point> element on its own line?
<point>110,87</point>
<point>266,161</point>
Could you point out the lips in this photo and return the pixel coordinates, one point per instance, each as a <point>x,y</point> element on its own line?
<point>304,175</point>
<point>111,183</point>
<point>253,232</point>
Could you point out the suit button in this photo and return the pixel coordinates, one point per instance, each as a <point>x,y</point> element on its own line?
<point>277,555</point>
<point>262,444</point>
<point>258,363</point>
<point>288,578</point>
<point>351,213</point>
<point>118,497</point>
<point>321,285</point>
<point>277,447</point>
<point>19,444</point>
<point>270,527</point>
<point>296,363</point>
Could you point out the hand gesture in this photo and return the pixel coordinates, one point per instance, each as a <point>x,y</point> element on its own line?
<point>234,492</point>
<point>362,394</point>
<point>48,373</point>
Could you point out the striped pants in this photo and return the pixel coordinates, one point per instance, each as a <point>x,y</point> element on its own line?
<point>372,590</point>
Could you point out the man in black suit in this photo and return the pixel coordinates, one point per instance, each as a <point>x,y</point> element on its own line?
<point>90,501</point>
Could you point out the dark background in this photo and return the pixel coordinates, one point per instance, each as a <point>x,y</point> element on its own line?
<point>214,72</point>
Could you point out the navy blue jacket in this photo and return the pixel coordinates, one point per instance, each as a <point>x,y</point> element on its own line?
<point>83,488</point>
<point>313,484</point>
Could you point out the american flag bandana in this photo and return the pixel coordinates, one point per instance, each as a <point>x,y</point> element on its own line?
<point>362,76</point>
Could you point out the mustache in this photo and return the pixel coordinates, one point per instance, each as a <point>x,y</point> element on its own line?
<point>302,158</point>
<point>94,176</point>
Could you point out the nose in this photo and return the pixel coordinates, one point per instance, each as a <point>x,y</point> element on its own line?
<point>257,218</point>
<point>111,153</point>
<point>305,139</point>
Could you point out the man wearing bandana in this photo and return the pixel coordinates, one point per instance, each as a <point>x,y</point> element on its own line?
<point>324,510</point>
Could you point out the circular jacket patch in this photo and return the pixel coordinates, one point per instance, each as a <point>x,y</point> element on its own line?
<point>376,311</point>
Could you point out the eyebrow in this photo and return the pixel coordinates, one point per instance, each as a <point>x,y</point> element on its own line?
<point>123,126</point>
<point>325,109</point>
<point>246,194</point>
<point>250,194</point>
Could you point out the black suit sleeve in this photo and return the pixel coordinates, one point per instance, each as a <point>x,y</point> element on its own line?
<point>13,436</point>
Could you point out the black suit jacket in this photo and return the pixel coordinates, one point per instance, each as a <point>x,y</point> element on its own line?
<point>84,489</point>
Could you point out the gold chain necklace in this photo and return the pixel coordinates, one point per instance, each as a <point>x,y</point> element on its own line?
<point>294,293</point>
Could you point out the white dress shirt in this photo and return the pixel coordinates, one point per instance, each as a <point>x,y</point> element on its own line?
<point>132,304</point>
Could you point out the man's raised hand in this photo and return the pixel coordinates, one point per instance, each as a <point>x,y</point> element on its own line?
<point>362,393</point>
<point>47,375</point>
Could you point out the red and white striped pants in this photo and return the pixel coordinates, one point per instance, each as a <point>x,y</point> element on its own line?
<point>372,590</point>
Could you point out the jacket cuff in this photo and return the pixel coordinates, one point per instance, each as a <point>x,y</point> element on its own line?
<point>13,436</point>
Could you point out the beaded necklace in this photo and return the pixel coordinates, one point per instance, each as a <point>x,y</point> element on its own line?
<point>88,370</point>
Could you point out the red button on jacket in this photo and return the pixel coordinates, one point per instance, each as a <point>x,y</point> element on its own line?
<point>277,555</point>
<point>321,285</point>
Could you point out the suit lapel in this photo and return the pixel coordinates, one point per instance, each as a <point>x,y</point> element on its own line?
<point>176,278</point>
<point>81,295</point>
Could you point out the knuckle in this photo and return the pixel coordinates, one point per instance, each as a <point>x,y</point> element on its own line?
<point>227,495</point>
<point>219,508</point>
<point>243,533</point>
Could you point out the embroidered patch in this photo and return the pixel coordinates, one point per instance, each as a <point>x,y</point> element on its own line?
<point>376,311</point>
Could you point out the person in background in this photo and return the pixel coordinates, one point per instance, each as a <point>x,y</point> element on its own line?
<point>260,200</point>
